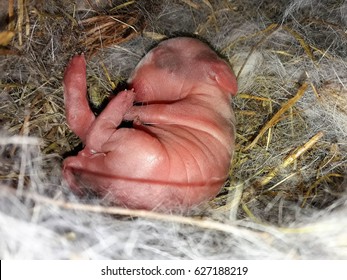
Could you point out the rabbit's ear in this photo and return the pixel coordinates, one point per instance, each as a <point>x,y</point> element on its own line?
<point>224,77</point>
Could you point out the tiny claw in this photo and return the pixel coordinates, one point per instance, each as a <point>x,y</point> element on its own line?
<point>137,121</point>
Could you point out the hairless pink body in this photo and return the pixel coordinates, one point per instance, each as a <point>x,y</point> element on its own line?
<point>178,152</point>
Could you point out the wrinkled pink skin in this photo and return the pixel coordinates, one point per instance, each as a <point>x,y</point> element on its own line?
<point>178,152</point>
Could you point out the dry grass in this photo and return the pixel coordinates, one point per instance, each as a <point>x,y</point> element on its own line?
<point>42,116</point>
<point>286,153</point>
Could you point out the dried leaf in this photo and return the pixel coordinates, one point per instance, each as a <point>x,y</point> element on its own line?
<point>6,37</point>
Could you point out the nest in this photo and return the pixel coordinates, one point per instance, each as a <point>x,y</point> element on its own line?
<point>291,109</point>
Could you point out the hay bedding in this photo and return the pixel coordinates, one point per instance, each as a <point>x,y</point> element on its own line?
<point>286,196</point>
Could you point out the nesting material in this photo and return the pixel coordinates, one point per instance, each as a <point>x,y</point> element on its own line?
<point>286,193</point>
<point>103,31</point>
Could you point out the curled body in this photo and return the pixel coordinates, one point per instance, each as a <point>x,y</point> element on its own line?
<point>178,151</point>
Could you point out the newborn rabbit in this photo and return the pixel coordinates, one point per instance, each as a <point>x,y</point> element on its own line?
<point>177,153</point>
